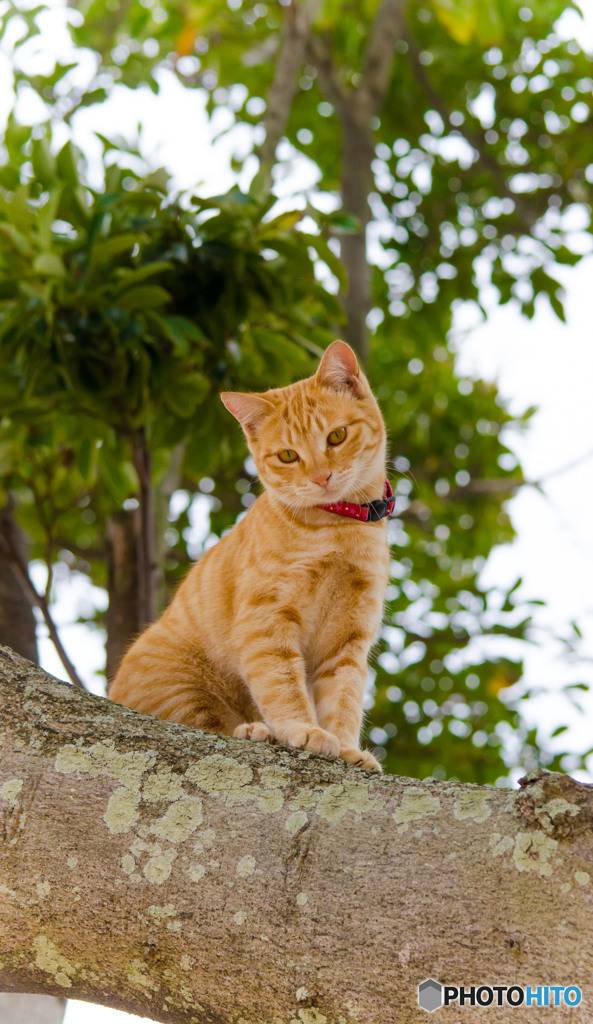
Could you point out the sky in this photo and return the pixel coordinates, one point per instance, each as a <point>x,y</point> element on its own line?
<point>540,362</point>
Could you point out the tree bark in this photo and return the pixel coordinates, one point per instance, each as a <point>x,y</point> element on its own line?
<point>167,484</point>
<point>17,621</point>
<point>357,178</point>
<point>14,555</point>
<point>123,613</point>
<point>148,572</point>
<point>298,18</point>
<point>190,877</point>
<point>355,110</point>
<point>135,539</point>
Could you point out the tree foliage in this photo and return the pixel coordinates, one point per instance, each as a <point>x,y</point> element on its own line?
<point>454,134</point>
<point>480,138</point>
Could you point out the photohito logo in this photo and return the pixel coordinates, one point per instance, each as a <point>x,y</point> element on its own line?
<point>432,995</point>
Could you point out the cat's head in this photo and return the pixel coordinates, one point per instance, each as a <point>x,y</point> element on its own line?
<point>320,440</point>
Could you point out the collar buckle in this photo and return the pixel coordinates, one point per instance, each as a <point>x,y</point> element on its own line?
<point>377,510</point>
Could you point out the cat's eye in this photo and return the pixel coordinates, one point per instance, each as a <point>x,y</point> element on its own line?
<point>336,436</point>
<point>287,455</point>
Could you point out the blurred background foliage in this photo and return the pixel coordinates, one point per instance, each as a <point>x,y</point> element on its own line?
<point>452,135</point>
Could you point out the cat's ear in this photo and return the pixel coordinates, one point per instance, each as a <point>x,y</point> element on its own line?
<point>249,409</point>
<point>339,369</point>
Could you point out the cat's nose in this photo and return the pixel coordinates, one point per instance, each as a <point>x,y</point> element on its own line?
<point>322,480</point>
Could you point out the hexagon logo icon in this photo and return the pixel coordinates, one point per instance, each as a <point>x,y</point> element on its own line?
<point>430,995</point>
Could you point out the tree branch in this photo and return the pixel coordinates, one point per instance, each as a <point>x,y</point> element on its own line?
<point>298,18</point>
<point>191,877</point>
<point>10,551</point>
<point>355,109</point>
<point>319,53</point>
<point>361,103</point>
<point>479,486</point>
<point>378,59</point>
<point>357,156</point>
<point>574,464</point>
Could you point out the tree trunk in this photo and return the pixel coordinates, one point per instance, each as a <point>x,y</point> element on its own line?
<point>17,621</point>
<point>195,878</point>
<point>167,484</point>
<point>123,615</point>
<point>357,178</point>
<point>127,580</point>
<point>356,110</point>
<point>148,572</point>
<point>298,18</point>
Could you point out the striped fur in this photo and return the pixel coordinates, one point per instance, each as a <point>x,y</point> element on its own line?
<point>268,636</point>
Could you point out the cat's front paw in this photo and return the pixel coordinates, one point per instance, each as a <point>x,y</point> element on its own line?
<point>361,758</point>
<point>256,731</point>
<point>311,737</point>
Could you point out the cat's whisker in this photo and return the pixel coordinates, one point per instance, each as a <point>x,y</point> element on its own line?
<point>406,473</point>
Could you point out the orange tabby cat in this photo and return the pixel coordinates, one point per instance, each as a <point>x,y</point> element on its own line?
<point>268,636</point>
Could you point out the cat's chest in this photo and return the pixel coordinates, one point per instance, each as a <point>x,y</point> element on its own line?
<point>345,579</point>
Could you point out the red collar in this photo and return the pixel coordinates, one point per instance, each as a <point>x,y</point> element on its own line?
<point>369,513</point>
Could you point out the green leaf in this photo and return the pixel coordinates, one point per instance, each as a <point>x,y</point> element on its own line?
<point>284,221</point>
<point>185,396</point>
<point>118,476</point>
<point>458,17</point>
<point>44,165</point>
<point>557,305</point>
<point>343,223</point>
<point>131,276</point>
<point>184,335</point>
<point>9,177</point>
<point>111,247</point>
<point>94,96</point>
<point>8,288</point>
<point>67,164</point>
<point>16,237</point>
<point>328,256</point>
<point>566,256</point>
<point>49,264</point>
<point>85,459</point>
<point>144,297</point>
